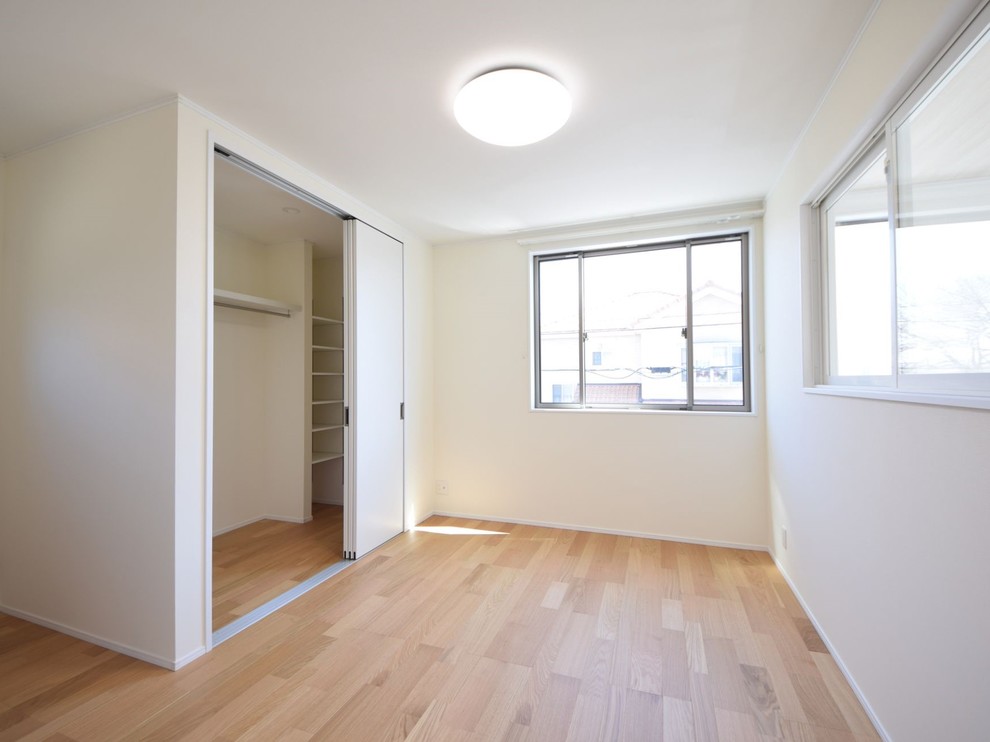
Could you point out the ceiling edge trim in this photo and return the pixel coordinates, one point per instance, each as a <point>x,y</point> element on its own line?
<point>720,214</point>
<point>131,113</point>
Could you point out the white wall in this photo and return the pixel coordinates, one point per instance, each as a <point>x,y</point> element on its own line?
<point>887,504</point>
<point>288,278</point>
<point>689,476</point>
<point>260,373</point>
<point>192,535</point>
<point>240,474</point>
<point>87,380</point>
<point>4,371</point>
<point>419,379</point>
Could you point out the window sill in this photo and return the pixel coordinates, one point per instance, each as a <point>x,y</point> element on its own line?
<point>620,411</point>
<point>899,395</point>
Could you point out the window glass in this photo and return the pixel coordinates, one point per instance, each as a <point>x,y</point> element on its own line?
<point>635,309</point>
<point>717,305</point>
<point>943,298</point>
<point>860,283</point>
<point>559,326</point>
<point>943,219</point>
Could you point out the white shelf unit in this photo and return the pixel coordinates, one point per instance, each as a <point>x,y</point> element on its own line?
<point>328,403</point>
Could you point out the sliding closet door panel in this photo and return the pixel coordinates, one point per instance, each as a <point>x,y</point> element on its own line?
<point>375,386</point>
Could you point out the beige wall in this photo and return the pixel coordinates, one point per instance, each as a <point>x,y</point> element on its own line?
<point>419,379</point>
<point>4,370</point>
<point>886,503</point>
<point>260,372</point>
<point>688,476</point>
<point>88,373</point>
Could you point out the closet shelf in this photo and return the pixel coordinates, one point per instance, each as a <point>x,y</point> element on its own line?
<point>328,401</point>
<point>326,347</point>
<point>326,321</point>
<point>321,456</point>
<point>319,427</point>
<point>234,300</point>
<point>328,373</point>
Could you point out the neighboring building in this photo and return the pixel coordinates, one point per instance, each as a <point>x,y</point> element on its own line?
<point>647,359</point>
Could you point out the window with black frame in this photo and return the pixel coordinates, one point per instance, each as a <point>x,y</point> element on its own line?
<point>661,326</point>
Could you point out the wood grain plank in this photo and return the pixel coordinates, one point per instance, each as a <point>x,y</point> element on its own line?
<point>844,698</point>
<point>678,720</point>
<point>536,634</point>
<point>260,561</point>
<point>552,716</point>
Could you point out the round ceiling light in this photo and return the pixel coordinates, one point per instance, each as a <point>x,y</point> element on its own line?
<point>512,107</point>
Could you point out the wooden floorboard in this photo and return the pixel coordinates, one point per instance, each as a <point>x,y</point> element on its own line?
<point>523,634</point>
<point>258,562</point>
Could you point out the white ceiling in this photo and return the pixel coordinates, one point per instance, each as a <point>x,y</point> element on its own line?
<point>677,104</point>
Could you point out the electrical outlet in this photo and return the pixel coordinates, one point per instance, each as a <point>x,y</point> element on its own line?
<point>442,487</point>
<point>783,537</point>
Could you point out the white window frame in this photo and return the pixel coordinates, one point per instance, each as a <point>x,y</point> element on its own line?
<point>957,390</point>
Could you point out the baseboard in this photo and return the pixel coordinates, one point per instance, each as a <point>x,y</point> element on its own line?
<point>183,661</point>
<point>831,648</point>
<point>99,641</point>
<point>228,529</point>
<point>284,519</point>
<point>609,531</point>
<point>338,503</point>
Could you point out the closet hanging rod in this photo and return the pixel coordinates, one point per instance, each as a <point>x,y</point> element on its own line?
<point>234,300</point>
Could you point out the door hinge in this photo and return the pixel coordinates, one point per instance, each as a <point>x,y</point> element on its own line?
<point>347,416</point>
<point>402,410</point>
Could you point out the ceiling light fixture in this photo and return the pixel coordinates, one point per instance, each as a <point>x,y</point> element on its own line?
<point>512,107</point>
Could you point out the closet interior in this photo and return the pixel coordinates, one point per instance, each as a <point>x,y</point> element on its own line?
<point>279,436</point>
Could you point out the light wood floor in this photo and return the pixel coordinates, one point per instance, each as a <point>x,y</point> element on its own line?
<point>534,634</point>
<point>262,560</point>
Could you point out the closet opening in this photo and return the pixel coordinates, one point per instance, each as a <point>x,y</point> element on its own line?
<point>279,362</point>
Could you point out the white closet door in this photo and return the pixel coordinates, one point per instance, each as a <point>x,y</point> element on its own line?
<point>374,500</point>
